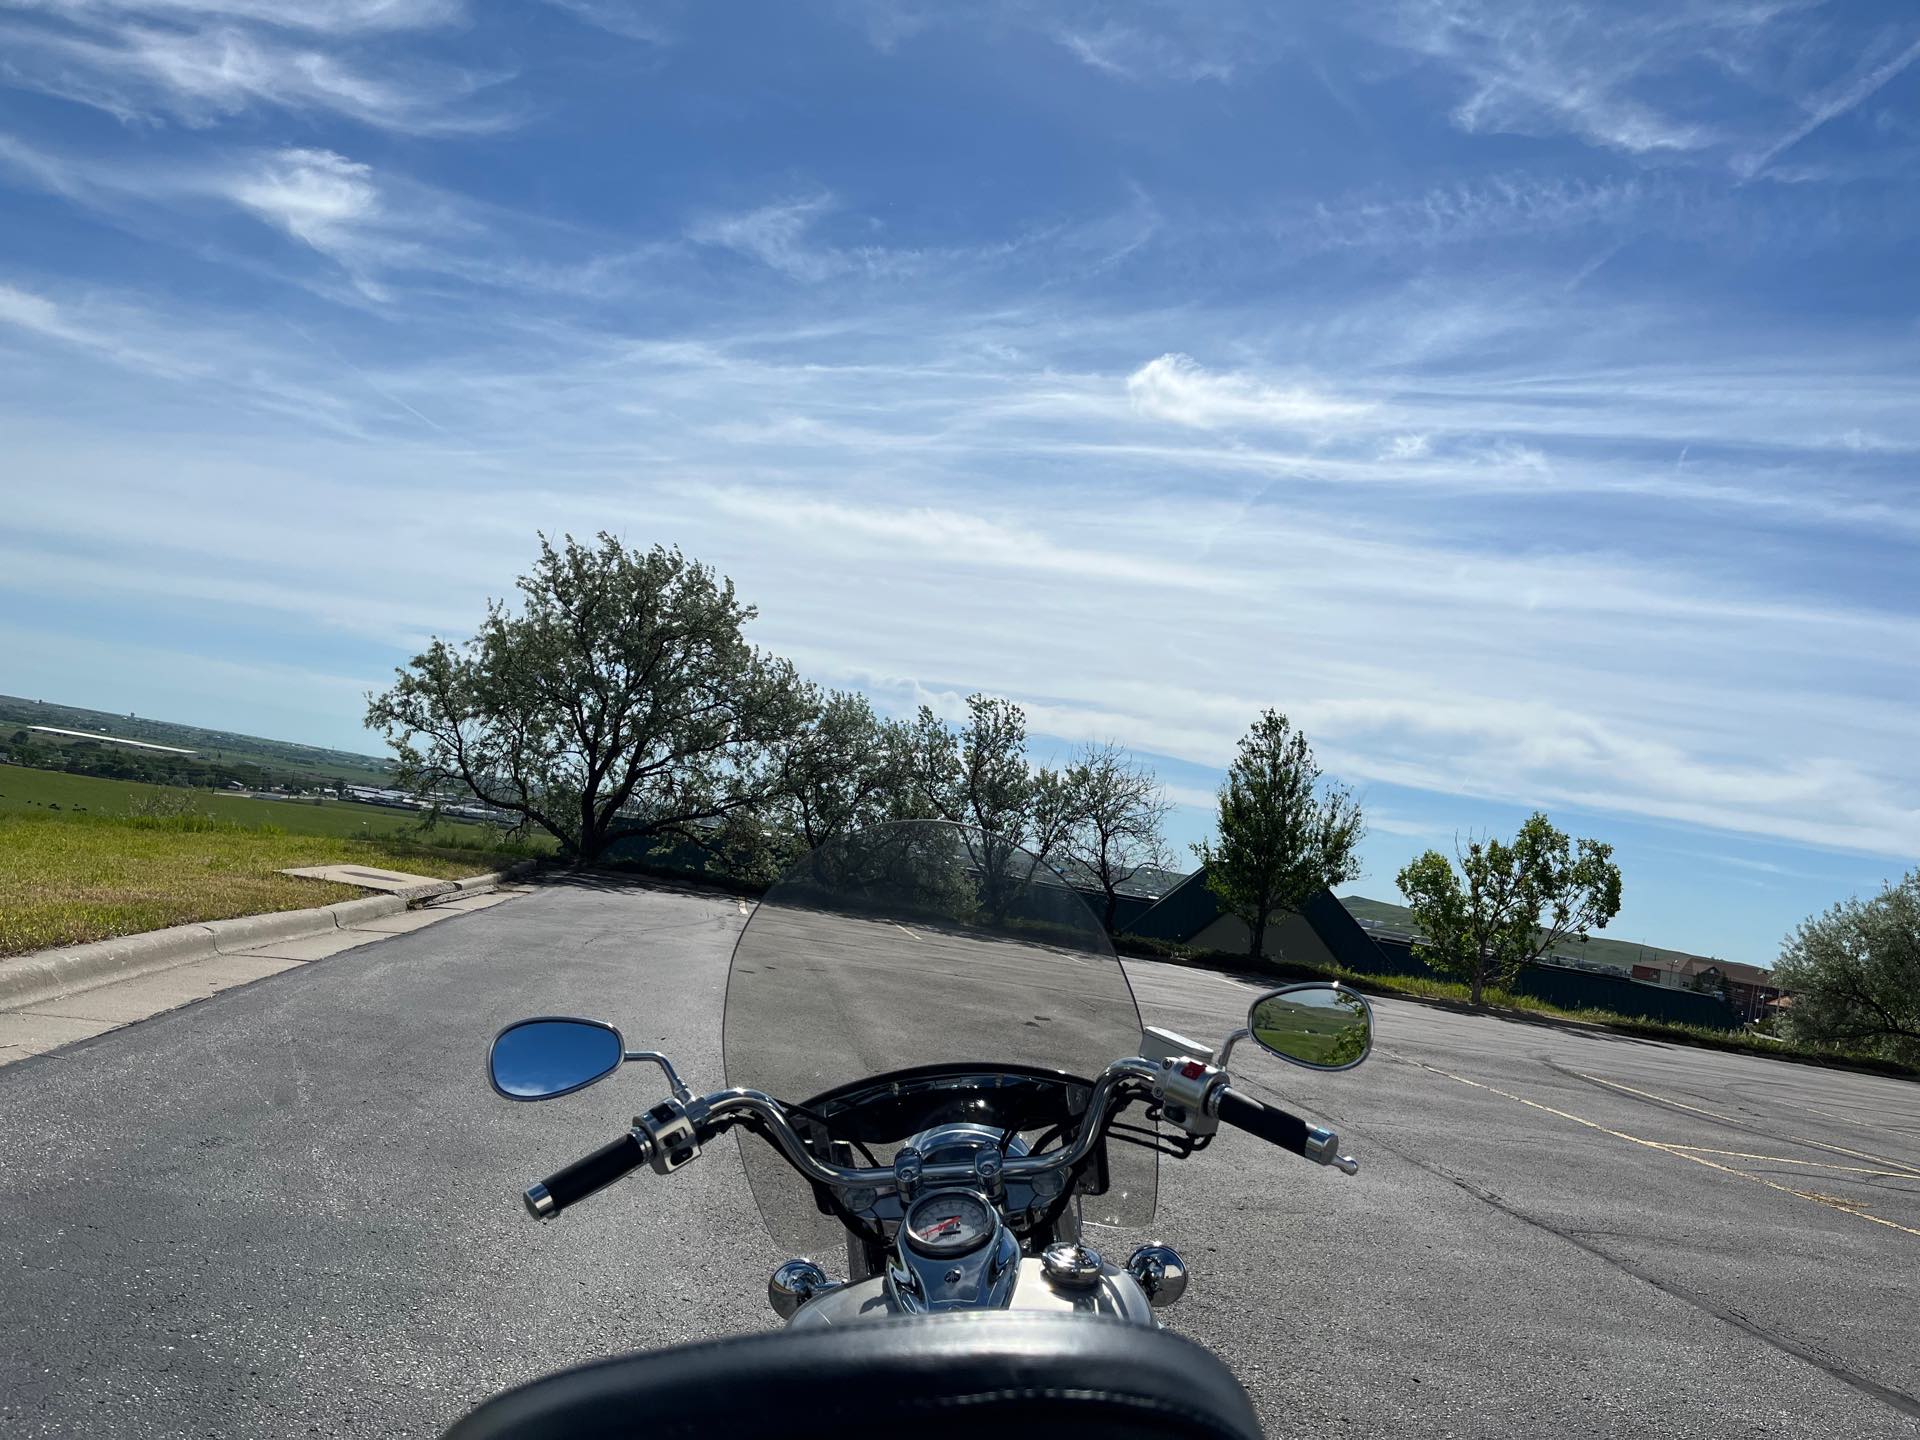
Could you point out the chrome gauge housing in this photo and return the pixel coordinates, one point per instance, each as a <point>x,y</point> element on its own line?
<point>946,1223</point>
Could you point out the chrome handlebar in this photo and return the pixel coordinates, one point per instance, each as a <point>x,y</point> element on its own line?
<point>1194,1094</point>
<point>728,1104</point>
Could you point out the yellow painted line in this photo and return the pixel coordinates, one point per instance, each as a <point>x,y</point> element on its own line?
<point>1666,1149</point>
<point>1900,1165</point>
<point>1783,1160</point>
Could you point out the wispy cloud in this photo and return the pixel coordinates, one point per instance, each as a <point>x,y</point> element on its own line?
<point>1848,97</point>
<point>136,69</point>
<point>643,20</point>
<point>1178,388</point>
<point>1501,206</point>
<point>1148,42</point>
<point>330,17</point>
<point>1127,53</point>
<point>778,236</point>
<point>1533,68</point>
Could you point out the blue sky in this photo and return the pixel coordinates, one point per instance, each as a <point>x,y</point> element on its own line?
<point>1521,396</point>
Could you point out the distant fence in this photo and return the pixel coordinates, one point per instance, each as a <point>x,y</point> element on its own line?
<point>1576,989</point>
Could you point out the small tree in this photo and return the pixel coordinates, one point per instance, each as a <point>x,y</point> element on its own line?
<point>1853,974</point>
<point>1518,901</point>
<point>622,700</point>
<point>1120,809</point>
<point>1285,833</point>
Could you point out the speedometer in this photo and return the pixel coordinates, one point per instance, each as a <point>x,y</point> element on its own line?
<point>948,1222</point>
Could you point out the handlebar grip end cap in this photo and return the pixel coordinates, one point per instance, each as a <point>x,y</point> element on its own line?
<point>539,1203</point>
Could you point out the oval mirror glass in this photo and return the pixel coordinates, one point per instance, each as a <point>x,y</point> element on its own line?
<point>1323,1027</point>
<point>539,1059</point>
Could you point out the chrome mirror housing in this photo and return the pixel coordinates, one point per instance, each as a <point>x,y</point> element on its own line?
<point>1316,1026</point>
<point>552,1055</point>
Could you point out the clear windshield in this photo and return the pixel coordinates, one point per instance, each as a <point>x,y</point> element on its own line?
<point>912,945</point>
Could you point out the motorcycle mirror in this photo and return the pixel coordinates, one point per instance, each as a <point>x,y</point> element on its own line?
<point>1322,1027</point>
<point>552,1055</point>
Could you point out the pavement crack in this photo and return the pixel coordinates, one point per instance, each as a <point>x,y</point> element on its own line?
<point>1800,1350</point>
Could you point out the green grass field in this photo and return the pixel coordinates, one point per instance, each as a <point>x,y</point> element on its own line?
<point>54,792</point>
<point>75,865</point>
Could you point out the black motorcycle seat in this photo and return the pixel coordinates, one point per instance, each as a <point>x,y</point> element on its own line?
<point>971,1374</point>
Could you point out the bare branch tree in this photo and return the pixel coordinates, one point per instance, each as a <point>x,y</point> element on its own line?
<point>1120,811</point>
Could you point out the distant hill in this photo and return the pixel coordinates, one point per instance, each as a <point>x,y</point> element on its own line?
<point>1388,918</point>
<point>280,761</point>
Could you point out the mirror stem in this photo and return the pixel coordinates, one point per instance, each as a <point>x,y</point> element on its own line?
<point>1221,1055</point>
<point>680,1091</point>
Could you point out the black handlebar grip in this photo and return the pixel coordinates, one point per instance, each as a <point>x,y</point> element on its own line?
<point>586,1175</point>
<point>1269,1122</point>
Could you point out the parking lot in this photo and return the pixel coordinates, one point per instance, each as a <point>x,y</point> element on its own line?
<point>293,1209</point>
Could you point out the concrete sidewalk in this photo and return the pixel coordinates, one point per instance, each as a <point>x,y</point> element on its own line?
<point>190,963</point>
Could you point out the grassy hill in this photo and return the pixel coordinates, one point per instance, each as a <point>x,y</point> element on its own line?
<point>83,858</point>
<point>55,793</point>
<point>279,761</point>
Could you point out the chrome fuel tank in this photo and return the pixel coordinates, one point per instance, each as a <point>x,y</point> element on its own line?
<point>1116,1294</point>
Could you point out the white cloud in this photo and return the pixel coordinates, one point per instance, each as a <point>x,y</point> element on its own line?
<point>781,236</point>
<point>1177,388</point>
<point>199,76</point>
<point>314,195</point>
<point>963,540</point>
<point>1128,53</point>
<point>1466,212</point>
<point>775,235</point>
<point>1536,67</point>
<point>333,17</point>
<point>629,19</point>
<point>97,328</point>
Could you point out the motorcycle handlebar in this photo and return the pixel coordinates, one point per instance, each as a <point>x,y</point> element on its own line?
<point>1269,1122</point>
<point>586,1175</point>
<point>630,1151</point>
<point>1276,1126</point>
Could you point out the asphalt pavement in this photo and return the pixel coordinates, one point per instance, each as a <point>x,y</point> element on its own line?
<point>292,1209</point>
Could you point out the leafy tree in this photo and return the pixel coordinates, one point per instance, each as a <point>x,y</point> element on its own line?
<point>1516,903</point>
<point>844,770</point>
<point>1853,974</point>
<point>1285,833</point>
<point>981,777</point>
<point>620,700</point>
<point>1053,814</point>
<point>1119,810</point>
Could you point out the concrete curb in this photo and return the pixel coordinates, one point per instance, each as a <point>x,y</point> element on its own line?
<point>43,975</point>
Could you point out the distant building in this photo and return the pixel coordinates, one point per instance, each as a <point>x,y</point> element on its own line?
<point>1322,933</point>
<point>1748,989</point>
